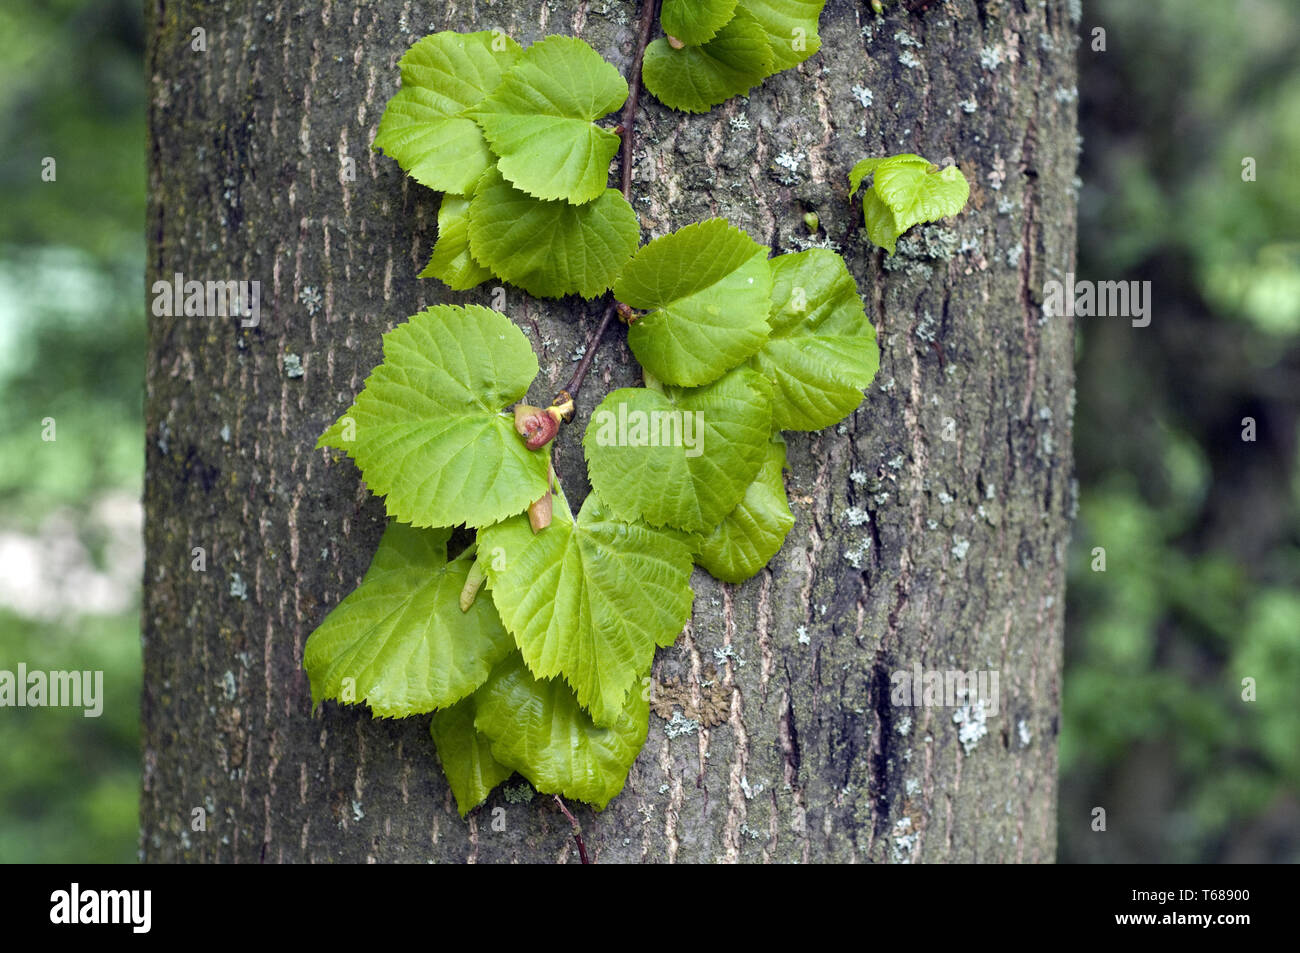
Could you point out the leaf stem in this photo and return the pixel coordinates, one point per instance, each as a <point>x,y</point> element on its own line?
<point>628,126</point>
<point>577,831</point>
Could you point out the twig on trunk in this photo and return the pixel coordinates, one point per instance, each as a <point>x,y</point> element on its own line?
<point>577,831</point>
<point>627,129</point>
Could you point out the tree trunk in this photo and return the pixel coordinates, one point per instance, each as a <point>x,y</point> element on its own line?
<point>931,526</point>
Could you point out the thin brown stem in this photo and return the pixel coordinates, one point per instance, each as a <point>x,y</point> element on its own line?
<point>580,372</point>
<point>634,93</point>
<point>628,130</point>
<point>577,831</point>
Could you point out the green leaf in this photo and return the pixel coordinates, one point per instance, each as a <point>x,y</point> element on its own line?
<point>400,636</point>
<point>696,21</point>
<point>451,261</point>
<point>697,78</point>
<point>589,599</point>
<point>425,127</point>
<point>883,227</point>
<point>822,352</point>
<point>538,728</point>
<point>753,532</point>
<point>906,190</point>
<point>681,458</point>
<point>539,120</point>
<point>863,169</point>
<point>427,430</point>
<point>707,287</point>
<point>790,27</point>
<point>551,249</point>
<point>466,755</point>
<point>919,193</point>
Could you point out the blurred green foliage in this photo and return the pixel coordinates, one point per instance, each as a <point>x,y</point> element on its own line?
<point>1201,528</point>
<point>72,348</point>
<point>69,785</point>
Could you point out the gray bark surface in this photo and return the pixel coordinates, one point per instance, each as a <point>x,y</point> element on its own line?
<point>931,526</point>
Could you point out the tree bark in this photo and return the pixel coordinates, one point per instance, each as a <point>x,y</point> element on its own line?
<point>931,526</point>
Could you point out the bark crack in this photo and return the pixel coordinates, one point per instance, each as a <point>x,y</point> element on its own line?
<point>1028,253</point>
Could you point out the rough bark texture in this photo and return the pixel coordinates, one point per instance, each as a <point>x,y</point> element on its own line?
<point>931,526</point>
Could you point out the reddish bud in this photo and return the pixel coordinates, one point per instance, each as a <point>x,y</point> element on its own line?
<point>536,426</point>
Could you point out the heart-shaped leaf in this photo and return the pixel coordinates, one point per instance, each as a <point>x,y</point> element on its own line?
<point>589,599</point>
<point>822,351</point>
<point>540,120</point>
<point>428,431</point>
<point>707,287</point>
<point>682,457</point>
<point>426,126</point>
<point>752,533</point>
<point>697,78</point>
<point>551,249</point>
<point>921,193</point>
<point>906,190</point>
<point>399,642</point>
<point>538,728</point>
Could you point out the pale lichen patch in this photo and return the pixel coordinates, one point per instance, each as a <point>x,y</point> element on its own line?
<point>972,722</point>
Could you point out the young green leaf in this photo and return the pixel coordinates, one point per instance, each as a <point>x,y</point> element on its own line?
<point>708,287</point>
<point>466,755</point>
<point>551,249</point>
<point>753,532</point>
<point>540,120</point>
<point>790,27</point>
<point>680,458</point>
<point>426,126</point>
<point>538,728</point>
<point>400,637</point>
<point>822,351</point>
<point>696,21</point>
<point>451,261</point>
<point>866,167</point>
<point>906,190</point>
<point>883,227</point>
<point>427,430</point>
<point>589,599</point>
<point>921,194</point>
<point>697,78</point>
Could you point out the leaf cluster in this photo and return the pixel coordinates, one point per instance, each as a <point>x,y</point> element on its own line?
<point>543,671</point>
<point>717,49</point>
<point>532,646</point>
<point>510,136</point>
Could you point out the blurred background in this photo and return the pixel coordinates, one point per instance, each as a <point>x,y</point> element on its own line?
<point>72,333</point>
<point>1201,529</point>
